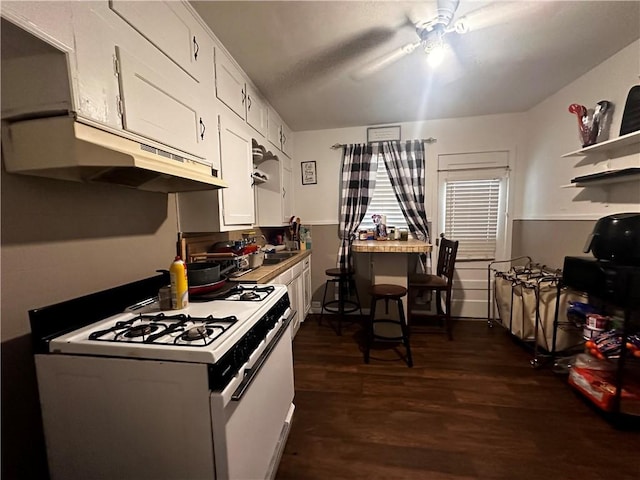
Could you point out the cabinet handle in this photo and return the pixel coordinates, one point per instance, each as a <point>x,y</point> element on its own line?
<point>196,48</point>
<point>244,96</point>
<point>203,127</point>
<point>284,192</point>
<point>284,139</point>
<point>249,102</point>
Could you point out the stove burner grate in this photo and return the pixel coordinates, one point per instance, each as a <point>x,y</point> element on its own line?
<point>249,293</point>
<point>179,329</point>
<point>141,330</point>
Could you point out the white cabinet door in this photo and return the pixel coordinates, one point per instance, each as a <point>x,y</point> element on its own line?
<point>295,295</point>
<point>95,77</point>
<point>160,103</point>
<point>230,84</point>
<point>256,111</point>
<point>287,195</point>
<point>274,132</point>
<point>287,140</point>
<point>174,31</point>
<point>299,287</point>
<point>236,162</point>
<point>306,282</point>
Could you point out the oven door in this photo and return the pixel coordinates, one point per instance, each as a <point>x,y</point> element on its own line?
<point>251,416</point>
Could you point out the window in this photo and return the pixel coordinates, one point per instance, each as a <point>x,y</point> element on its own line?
<point>384,201</point>
<point>471,216</point>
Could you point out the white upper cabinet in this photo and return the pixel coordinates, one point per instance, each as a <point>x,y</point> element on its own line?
<point>235,92</point>
<point>256,111</point>
<point>231,208</point>
<point>279,134</point>
<point>287,194</point>
<point>286,140</point>
<point>174,31</point>
<point>274,129</point>
<point>230,84</point>
<point>237,167</point>
<point>158,102</point>
<point>127,76</point>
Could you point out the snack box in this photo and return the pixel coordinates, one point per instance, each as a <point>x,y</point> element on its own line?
<point>599,387</point>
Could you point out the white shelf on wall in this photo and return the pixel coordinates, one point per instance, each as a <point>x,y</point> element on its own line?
<point>605,178</point>
<point>613,144</point>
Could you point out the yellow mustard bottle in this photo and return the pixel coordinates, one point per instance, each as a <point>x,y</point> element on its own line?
<point>179,284</point>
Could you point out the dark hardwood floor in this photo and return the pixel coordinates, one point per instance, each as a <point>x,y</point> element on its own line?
<point>471,408</point>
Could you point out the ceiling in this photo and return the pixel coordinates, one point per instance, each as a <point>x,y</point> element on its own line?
<point>307,57</point>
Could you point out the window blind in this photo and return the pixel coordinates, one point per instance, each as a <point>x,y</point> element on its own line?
<point>471,216</point>
<point>384,201</point>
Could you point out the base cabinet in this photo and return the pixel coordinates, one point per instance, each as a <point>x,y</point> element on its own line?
<point>294,280</point>
<point>306,283</point>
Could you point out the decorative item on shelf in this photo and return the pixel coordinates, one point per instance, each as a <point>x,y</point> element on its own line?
<point>380,223</point>
<point>590,122</point>
<point>260,153</point>
<point>631,116</point>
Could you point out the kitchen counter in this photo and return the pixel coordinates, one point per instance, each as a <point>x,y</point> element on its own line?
<point>389,260</point>
<point>391,246</point>
<point>266,273</point>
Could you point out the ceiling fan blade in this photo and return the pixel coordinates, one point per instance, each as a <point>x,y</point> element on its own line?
<point>384,61</point>
<point>496,13</point>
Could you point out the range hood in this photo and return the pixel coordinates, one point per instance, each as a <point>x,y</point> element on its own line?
<point>64,148</point>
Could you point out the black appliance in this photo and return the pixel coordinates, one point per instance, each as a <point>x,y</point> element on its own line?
<point>616,238</point>
<point>606,280</point>
<point>631,116</point>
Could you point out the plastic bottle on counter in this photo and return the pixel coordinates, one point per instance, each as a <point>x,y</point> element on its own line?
<point>179,284</point>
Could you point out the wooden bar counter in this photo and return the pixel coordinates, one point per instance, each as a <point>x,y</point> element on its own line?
<point>389,259</point>
<point>391,246</point>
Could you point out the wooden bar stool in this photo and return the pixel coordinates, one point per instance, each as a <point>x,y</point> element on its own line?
<point>344,281</point>
<point>387,292</point>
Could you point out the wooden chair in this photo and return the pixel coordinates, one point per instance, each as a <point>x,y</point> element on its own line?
<point>439,283</point>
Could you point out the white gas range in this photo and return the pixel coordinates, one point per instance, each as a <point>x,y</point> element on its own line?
<point>204,392</point>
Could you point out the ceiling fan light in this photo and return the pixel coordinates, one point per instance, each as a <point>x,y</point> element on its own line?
<point>436,56</point>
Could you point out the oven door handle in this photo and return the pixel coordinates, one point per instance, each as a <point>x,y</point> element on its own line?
<point>250,373</point>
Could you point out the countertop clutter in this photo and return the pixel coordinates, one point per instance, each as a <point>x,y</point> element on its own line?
<point>266,273</point>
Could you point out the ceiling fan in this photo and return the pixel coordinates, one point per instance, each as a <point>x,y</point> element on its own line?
<point>432,33</point>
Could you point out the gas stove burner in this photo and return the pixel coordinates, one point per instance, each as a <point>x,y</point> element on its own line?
<point>249,296</point>
<point>250,293</point>
<point>197,333</point>
<point>264,289</point>
<point>141,330</point>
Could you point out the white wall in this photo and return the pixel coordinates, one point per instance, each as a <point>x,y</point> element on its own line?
<point>318,204</point>
<point>535,139</point>
<point>552,131</point>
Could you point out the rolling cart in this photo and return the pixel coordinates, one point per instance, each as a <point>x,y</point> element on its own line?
<point>526,301</point>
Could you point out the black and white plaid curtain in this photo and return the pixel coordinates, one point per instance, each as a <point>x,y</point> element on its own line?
<point>405,165</point>
<point>359,166</point>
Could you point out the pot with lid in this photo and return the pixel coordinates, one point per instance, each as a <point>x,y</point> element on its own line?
<point>616,238</point>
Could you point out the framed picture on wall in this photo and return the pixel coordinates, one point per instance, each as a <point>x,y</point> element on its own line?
<point>383,134</point>
<point>309,173</point>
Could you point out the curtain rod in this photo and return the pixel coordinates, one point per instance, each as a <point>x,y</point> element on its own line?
<point>335,146</point>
